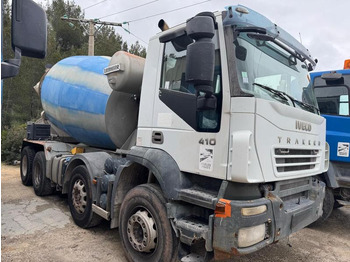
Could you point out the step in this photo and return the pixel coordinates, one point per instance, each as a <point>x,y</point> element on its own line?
<point>192,229</point>
<point>199,197</point>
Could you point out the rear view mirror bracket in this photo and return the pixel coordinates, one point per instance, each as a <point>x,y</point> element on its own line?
<point>10,67</point>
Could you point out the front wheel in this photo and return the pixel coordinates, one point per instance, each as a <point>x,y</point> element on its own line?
<point>80,198</point>
<point>144,227</point>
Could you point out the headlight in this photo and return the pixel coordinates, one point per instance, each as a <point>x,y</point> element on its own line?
<point>249,236</point>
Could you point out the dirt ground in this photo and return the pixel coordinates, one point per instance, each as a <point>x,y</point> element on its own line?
<point>41,229</point>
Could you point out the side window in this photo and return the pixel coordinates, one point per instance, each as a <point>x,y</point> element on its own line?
<point>344,105</point>
<point>173,71</point>
<point>181,96</point>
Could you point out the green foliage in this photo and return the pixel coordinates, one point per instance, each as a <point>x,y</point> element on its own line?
<point>137,49</point>
<point>125,46</point>
<point>11,142</point>
<point>67,36</point>
<point>107,42</point>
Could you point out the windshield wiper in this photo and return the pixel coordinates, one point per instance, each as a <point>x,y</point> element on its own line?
<point>284,96</point>
<point>278,93</point>
<point>308,106</point>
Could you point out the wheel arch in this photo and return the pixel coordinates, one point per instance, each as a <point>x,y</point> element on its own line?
<point>94,162</point>
<point>36,146</point>
<point>164,168</point>
<point>141,162</point>
<point>330,177</point>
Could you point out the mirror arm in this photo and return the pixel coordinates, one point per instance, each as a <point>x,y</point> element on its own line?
<point>17,59</point>
<point>10,67</point>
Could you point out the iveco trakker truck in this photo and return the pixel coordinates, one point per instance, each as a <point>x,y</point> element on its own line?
<point>332,92</point>
<point>213,139</point>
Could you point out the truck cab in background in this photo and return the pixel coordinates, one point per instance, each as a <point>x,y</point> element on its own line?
<point>227,147</point>
<point>332,89</point>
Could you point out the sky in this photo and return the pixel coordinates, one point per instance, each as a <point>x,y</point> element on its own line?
<point>322,25</point>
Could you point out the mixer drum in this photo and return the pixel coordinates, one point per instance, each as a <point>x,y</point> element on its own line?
<point>76,97</point>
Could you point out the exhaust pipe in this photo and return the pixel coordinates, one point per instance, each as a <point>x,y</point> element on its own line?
<point>163,25</point>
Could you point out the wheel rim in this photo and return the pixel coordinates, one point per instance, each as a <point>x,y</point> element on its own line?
<point>142,231</point>
<point>36,174</point>
<point>24,165</point>
<point>79,196</point>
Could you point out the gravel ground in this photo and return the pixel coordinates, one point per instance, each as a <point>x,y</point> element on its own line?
<point>41,229</point>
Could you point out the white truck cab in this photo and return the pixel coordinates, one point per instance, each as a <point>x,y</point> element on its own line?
<point>265,131</point>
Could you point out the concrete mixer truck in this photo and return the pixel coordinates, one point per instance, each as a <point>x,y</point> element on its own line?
<point>214,140</point>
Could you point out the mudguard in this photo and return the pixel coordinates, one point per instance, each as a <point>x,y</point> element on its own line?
<point>331,175</point>
<point>163,166</point>
<point>132,173</point>
<point>94,163</point>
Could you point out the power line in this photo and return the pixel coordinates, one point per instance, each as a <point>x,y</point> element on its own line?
<point>94,4</point>
<point>126,30</point>
<point>129,9</point>
<point>177,9</point>
<point>139,38</point>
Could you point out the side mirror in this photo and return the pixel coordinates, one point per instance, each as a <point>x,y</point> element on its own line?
<point>200,61</point>
<point>29,35</point>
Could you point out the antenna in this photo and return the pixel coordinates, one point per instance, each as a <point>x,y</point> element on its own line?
<point>301,41</point>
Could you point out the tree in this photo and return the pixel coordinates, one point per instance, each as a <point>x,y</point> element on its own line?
<point>107,42</point>
<point>137,49</point>
<point>125,46</point>
<point>68,35</point>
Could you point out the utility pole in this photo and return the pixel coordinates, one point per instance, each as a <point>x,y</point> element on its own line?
<point>91,50</point>
<point>91,31</point>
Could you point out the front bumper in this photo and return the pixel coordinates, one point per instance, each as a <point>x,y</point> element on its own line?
<point>291,206</point>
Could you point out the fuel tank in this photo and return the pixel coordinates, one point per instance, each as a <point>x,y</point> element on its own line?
<point>75,95</point>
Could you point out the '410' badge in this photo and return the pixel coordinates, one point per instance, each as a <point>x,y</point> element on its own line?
<point>206,154</point>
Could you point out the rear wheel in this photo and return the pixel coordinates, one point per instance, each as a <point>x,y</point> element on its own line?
<point>41,184</point>
<point>26,168</point>
<point>144,227</point>
<point>80,199</point>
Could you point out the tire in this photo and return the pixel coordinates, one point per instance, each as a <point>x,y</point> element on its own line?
<point>328,204</point>
<point>144,227</point>
<point>41,184</point>
<point>26,168</point>
<point>80,199</point>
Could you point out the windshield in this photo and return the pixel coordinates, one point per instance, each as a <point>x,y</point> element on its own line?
<point>268,71</point>
<point>333,99</point>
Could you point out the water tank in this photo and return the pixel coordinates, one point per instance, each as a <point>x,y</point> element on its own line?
<point>125,72</point>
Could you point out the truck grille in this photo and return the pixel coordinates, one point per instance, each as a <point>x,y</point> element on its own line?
<point>288,160</point>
